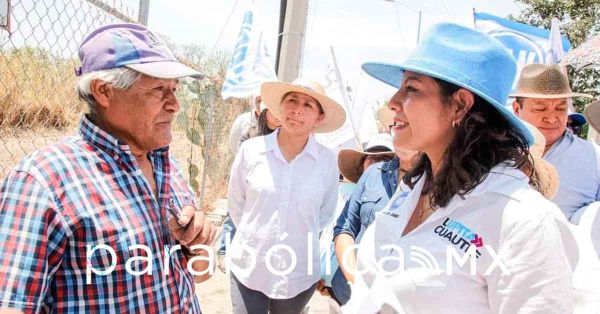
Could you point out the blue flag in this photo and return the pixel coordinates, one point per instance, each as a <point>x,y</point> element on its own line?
<point>528,44</point>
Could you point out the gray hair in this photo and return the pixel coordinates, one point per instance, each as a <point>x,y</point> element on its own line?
<point>121,78</point>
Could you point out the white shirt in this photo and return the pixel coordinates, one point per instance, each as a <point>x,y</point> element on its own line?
<point>273,202</point>
<point>502,216</point>
<point>240,128</point>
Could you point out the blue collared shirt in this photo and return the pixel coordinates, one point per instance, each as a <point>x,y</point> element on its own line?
<point>373,191</point>
<point>578,164</point>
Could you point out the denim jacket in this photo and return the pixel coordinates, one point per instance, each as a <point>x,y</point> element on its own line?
<point>374,189</point>
<point>372,193</point>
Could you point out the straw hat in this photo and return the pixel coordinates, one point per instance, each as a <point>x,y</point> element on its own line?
<point>385,116</point>
<point>544,81</point>
<point>592,114</point>
<point>349,160</point>
<point>547,175</point>
<point>272,94</point>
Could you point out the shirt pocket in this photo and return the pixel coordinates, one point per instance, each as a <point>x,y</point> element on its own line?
<point>261,178</point>
<point>313,189</point>
<point>369,203</point>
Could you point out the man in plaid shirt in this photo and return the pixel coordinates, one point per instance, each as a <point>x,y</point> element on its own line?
<point>85,224</point>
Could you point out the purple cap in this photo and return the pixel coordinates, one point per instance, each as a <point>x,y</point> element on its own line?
<point>133,46</point>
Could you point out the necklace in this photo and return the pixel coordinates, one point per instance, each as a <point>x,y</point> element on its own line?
<point>423,210</point>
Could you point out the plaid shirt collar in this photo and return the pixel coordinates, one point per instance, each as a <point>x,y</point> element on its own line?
<point>101,139</point>
<point>120,152</point>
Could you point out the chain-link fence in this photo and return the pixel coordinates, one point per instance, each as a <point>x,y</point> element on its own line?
<point>38,105</point>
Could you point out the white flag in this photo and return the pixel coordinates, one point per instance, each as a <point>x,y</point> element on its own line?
<point>360,122</point>
<point>555,47</point>
<point>344,136</point>
<point>251,64</point>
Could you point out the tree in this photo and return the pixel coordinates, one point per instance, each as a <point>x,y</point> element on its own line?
<point>579,19</point>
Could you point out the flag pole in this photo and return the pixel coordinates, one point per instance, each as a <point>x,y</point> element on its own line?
<point>419,29</point>
<point>345,97</point>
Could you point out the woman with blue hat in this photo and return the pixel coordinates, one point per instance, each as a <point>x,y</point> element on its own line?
<point>464,232</point>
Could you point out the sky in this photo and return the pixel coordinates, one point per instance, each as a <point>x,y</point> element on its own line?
<point>358,30</point>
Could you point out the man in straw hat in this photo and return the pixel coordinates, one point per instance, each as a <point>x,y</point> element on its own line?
<point>542,99</point>
<point>77,216</point>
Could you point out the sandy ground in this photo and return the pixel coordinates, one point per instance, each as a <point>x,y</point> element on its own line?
<point>215,299</point>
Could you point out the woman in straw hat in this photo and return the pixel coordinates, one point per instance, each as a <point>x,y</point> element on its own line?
<point>465,198</point>
<point>282,192</point>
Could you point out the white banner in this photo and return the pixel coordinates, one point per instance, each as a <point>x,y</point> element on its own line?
<point>251,64</point>
<point>360,122</point>
<point>341,136</point>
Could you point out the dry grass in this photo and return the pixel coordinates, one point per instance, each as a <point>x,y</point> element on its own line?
<point>38,105</point>
<point>37,90</point>
<point>16,144</point>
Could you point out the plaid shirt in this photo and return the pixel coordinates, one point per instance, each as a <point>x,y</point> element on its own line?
<point>62,201</point>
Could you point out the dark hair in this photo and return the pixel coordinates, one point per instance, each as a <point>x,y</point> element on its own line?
<point>483,140</point>
<point>263,128</point>
<point>520,101</point>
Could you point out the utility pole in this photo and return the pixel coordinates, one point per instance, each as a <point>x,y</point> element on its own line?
<point>419,29</point>
<point>291,39</point>
<point>143,12</point>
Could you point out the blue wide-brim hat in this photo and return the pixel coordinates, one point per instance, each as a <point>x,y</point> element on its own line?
<point>462,56</point>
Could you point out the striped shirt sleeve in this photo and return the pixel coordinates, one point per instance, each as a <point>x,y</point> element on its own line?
<point>33,241</point>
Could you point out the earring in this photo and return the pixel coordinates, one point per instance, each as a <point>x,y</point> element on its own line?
<point>455,124</point>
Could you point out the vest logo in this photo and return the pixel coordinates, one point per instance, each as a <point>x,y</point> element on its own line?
<point>459,235</point>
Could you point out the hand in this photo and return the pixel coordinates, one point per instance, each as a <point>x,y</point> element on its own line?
<point>192,227</point>
<point>321,288</point>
